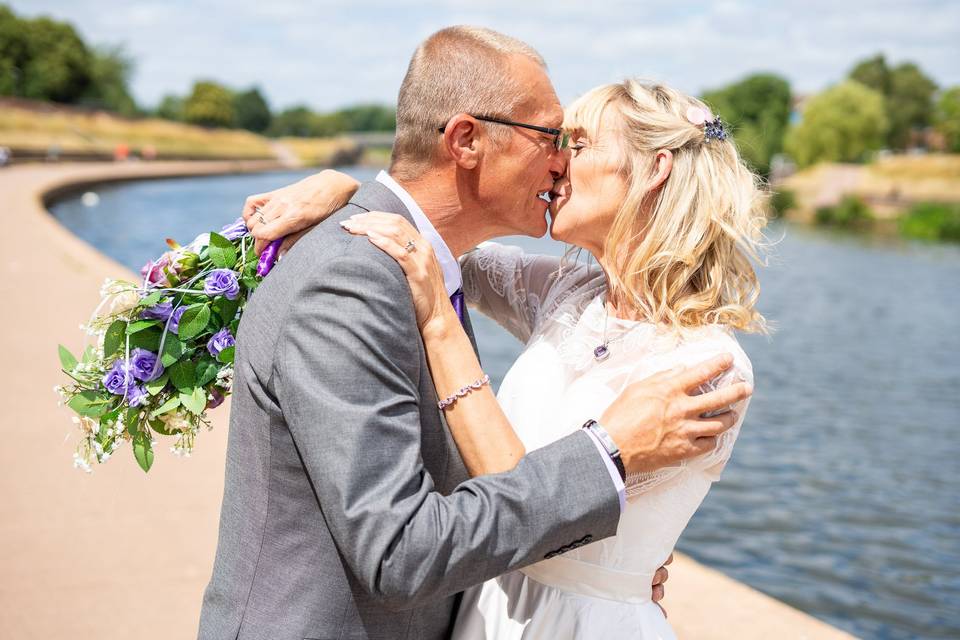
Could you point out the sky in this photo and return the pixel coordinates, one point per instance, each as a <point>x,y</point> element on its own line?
<point>332,53</point>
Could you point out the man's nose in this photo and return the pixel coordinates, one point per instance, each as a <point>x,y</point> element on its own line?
<point>558,164</point>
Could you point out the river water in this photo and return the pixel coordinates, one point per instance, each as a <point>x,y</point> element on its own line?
<point>843,495</point>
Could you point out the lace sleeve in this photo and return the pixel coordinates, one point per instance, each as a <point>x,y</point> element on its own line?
<point>711,463</point>
<point>508,285</point>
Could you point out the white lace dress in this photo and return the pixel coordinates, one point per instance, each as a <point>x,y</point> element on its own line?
<point>601,590</point>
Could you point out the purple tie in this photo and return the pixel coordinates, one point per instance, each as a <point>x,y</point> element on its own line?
<point>457,301</point>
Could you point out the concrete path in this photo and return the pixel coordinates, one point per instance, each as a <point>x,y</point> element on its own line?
<point>123,554</point>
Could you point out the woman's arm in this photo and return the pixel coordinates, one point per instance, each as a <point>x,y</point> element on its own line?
<point>291,211</point>
<point>483,434</point>
<point>512,287</point>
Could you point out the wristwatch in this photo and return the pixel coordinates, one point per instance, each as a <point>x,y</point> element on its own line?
<point>613,450</point>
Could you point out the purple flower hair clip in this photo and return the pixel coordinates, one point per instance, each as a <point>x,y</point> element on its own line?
<point>713,128</point>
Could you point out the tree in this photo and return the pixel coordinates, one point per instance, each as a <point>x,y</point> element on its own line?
<point>210,105</point>
<point>948,118</point>
<point>295,121</point>
<point>110,73</point>
<point>757,109</point>
<point>170,108</point>
<point>908,93</point>
<point>252,111</point>
<point>910,104</point>
<point>14,52</point>
<point>58,62</point>
<point>368,117</point>
<point>842,124</point>
<point>873,73</point>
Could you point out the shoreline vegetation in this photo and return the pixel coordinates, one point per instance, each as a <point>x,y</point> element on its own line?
<point>41,132</point>
<point>910,196</point>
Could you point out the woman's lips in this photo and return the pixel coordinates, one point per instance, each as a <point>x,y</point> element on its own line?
<point>558,197</point>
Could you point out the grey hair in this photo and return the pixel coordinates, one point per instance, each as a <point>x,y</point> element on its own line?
<point>459,69</point>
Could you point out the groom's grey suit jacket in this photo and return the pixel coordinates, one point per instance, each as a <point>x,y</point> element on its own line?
<point>347,511</point>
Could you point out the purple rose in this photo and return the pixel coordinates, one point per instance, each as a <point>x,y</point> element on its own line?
<point>136,395</point>
<point>235,230</point>
<point>220,341</point>
<point>173,324</point>
<point>144,365</point>
<point>119,378</point>
<point>160,311</point>
<point>222,282</point>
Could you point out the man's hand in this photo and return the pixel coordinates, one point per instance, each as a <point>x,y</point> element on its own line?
<point>293,210</point>
<point>660,577</point>
<point>657,422</point>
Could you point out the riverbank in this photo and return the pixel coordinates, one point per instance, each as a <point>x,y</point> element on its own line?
<point>119,553</point>
<point>35,131</point>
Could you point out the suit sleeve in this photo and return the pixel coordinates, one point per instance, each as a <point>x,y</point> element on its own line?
<point>348,370</point>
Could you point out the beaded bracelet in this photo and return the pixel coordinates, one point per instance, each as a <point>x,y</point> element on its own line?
<point>443,404</point>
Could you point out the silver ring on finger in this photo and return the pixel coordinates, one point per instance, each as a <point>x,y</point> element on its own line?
<point>411,246</point>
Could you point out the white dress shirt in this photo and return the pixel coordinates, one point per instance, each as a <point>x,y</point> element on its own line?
<point>453,280</point>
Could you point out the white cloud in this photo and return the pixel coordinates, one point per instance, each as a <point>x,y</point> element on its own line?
<point>337,52</point>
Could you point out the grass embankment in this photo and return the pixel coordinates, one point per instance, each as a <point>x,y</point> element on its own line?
<point>915,196</point>
<point>38,128</point>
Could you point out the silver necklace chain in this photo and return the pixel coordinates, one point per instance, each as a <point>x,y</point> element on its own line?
<point>602,351</point>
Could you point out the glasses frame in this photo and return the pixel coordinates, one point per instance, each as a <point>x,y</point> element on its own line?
<point>560,138</point>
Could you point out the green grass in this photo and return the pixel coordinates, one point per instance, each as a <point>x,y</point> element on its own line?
<point>851,212</point>
<point>932,221</point>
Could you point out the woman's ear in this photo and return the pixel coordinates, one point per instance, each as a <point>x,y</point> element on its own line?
<point>662,166</point>
<point>461,141</point>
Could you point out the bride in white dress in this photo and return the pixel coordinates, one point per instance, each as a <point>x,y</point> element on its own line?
<point>659,196</point>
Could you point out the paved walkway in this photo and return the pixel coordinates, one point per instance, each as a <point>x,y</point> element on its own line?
<point>123,554</point>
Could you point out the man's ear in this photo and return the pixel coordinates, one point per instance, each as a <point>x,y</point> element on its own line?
<point>461,141</point>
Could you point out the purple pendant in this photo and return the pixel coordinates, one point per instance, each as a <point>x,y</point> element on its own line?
<point>601,353</point>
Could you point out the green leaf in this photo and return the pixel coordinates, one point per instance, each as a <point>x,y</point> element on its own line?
<point>250,284</point>
<point>183,375</point>
<point>89,403</point>
<point>207,370</point>
<point>222,252</point>
<point>89,354</point>
<point>226,356</point>
<point>140,325</point>
<point>194,321</point>
<point>110,416</point>
<point>67,359</point>
<point>131,420</point>
<point>158,426</point>
<point>226,309</point>
<point>151,299</point>
<point>113,338</point>
<point>156,386</point>
<point>172,350</point>
<point>148,339</point>
<point>194,402</point>
<point>143,450</point>
<point>166,407</point>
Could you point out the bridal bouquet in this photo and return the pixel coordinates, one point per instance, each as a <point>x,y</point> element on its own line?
<point>162,349</point>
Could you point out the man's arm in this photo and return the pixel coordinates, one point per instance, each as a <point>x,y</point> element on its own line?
<point>347,371</point>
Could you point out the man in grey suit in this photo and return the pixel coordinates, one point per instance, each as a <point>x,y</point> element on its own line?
<point>347,511</point>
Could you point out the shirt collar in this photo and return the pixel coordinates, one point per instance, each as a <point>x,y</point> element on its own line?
<point>452,279</point>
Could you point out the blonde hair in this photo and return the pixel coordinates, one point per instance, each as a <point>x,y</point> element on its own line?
<point>456,70</point>
<point>680,254</point>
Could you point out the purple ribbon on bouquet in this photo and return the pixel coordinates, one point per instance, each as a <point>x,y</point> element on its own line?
<point>269,257</point>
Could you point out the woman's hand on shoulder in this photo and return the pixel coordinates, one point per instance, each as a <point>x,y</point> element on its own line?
<point>291,211</point>
<point>397,237</point>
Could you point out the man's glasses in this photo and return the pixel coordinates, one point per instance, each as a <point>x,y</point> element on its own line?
<point>560,139</point>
